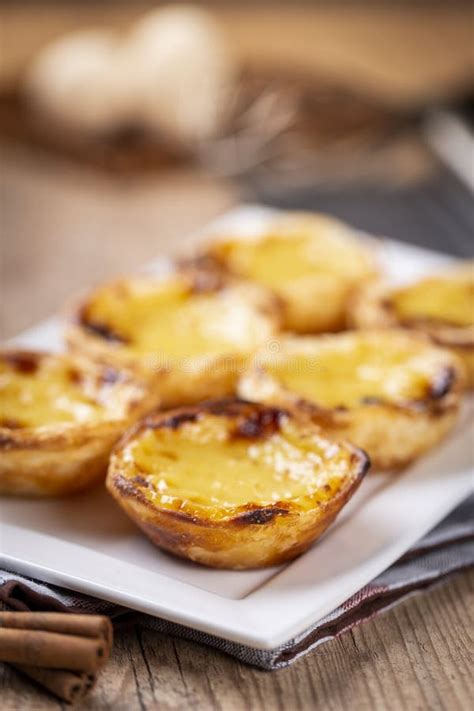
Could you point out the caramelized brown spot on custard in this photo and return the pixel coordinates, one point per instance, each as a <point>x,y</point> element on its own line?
<point>104,331</point>
<point>253,421</point>
<point>260,424</point>
<point>260,516</point>
<point>74,376</point>
<point>25,363</point>
<point>141,481</point>
<point>10,423</point>
<point>99,328</point>
<point>173,421</point>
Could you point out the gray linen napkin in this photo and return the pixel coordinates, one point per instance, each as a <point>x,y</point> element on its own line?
<point>447,548</point>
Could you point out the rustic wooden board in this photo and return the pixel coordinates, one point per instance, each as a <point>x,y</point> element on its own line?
<point>417,656</point>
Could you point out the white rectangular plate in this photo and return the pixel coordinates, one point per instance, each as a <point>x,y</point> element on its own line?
<point>85,543</point>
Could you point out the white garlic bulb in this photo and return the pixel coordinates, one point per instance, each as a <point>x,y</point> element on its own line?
<point>81,82</point>
<point>183,71</point>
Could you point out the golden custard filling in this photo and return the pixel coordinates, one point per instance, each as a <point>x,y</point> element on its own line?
<point>351,374</point>
<point>171,320</point>
<point>38,391</point>
<point>444,299</point>
<point>279,258</point>
<point>205,464</point>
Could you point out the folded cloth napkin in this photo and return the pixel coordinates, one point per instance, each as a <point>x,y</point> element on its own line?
<point>447,548</point>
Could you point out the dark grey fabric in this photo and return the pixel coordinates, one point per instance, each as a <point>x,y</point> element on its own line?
<point>447,548</point>
<point>436,214</point>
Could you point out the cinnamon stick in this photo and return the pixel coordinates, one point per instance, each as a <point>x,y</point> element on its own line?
<point>82,625</point>
<point>52,650</point>
<point>67,685</point>
<point>62,652</point>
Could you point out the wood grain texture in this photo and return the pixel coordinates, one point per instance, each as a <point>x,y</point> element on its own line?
<point>418,655</point>
<point>65,228</point>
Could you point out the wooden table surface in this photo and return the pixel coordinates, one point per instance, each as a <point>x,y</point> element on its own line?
<point>415,657</point>
<point>63,229</point>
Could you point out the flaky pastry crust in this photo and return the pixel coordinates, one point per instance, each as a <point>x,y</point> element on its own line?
<point>374,306</point>
<point>390,392</point>
<point>312,263</point>
<point>220,524</point>
<point>59,418</point>
<point>192,341</point>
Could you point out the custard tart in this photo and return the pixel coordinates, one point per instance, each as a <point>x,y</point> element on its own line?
<point>441,306</point>
<point>189,332</point>
<point>232,484</point>
<point>311,262</point>
<point>391,392</point>
<point>59,418</point>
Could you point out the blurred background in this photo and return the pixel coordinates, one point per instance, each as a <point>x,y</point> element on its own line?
<point>126,125</point>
